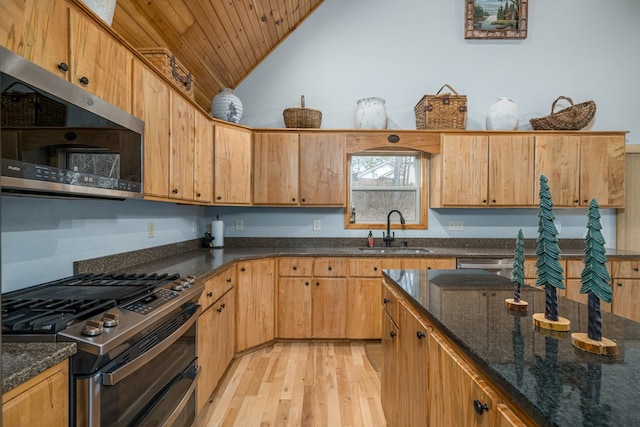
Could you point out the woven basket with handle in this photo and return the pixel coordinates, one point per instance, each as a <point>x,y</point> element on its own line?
<point>575,117</point>
<point>302,117</point>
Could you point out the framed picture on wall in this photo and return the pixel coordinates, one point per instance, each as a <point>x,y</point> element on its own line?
<point>495,19</point>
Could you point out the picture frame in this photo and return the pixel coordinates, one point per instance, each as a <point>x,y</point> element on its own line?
<point>496,19</point>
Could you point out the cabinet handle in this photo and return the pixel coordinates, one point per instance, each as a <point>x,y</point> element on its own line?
<point>84,80</point>
<point>429,268</point>
<point>392,334</point>
<point>218,197</point>
<point>375,268</point>
<point>242,269</point>
<point>304,200</point>
<point>493,201</point>
<point>420,335</point>
<point>293,199</point>
<point>306,283</point>
<point>385,301</point>
<point>198,195</point>
<point>174,191</point>
<point>219,309</point>
<point>209,294</point>
<point>63,67</point>
<point>484,201</point>
<point>480,407</point>
<point>620,284</point>
<point>576,201</point>
<point>329,268</point>
<point>585,201</point>
<point>295,268</point>
<point>229,280</point>
<point>317,283</point>
<point>636,268</point>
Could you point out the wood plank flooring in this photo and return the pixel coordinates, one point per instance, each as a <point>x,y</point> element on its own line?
<point>298,384</point>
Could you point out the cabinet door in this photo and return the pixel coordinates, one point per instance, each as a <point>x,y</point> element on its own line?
<point>363,306</point>
<point>215,345</point>
<point>602,170</point>
<point>181,151</point>
<point>329,308</point>
<point>455,387</point>
<point>413,372</point>
<point>464,170</point>
<point>626,294</point>
<point>255,310</point>
<point>558,158</point>
<point>511,170</point>
<point>151,104</point>
<point>99,62</point>
<point>294,307</point>
<point>275,169</point>
<point>389,377</point>
<point>43,400</point>
<point>506,417</point>
<point>217,286</point>
<point>37,30</point>
<point>232,165</point>
<point>322,163</point>
<point>203,165</point>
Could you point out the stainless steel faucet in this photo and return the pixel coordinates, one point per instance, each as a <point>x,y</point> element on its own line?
<point>391,237</point>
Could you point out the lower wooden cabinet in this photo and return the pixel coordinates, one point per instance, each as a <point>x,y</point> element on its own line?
<point>329,308</point>
<point>41,401</point>
<point>458,396</point>
<point>255,307</point>
<point>364,317</point>
<point>294,307</point>
<point>216,332</point>
<point>389,379</point>
<point>506,417</point>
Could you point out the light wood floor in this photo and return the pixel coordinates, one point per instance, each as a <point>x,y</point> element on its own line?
<point>298,384</point>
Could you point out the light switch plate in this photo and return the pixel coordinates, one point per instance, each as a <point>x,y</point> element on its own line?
<point>239,225</point>
<point>316,225</point>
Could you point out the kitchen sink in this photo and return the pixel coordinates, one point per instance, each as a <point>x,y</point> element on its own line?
<point>397,250</point>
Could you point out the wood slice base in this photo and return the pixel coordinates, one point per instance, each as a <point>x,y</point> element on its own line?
<point>561,324</point>
<point>583,342</point>
<point>516,305</point>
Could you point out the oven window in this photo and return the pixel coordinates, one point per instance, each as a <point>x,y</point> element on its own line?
<point>124,403</point>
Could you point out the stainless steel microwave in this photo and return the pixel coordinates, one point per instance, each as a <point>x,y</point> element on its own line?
<point>59,140</point>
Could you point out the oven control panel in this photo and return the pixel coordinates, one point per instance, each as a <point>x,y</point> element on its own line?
<point>152,301</point>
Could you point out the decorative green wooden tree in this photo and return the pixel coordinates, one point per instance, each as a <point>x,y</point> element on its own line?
<point>548,266</point>
<point>517,274</point>
<point>595,278</point>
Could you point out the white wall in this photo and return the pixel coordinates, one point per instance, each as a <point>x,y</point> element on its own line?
<point>402,49</point>
<point>41,238</point>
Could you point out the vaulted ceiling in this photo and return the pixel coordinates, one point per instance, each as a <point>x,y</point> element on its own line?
<point>219,41</point>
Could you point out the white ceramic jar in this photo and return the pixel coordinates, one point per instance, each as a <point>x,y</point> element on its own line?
<point>371,113</point>
<point>502,115</point>
<point>103,8</point>
<point>226,106</point>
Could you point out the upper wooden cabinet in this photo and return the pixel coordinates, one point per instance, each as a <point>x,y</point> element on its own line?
<point>322,165</point>
<point>203,164</point>
<point>275,169</point>
<point>151,104</point>
<point>99,62</point>
<point>503,170</point>
<point>38,31</point>
<point>232,165</point>
<point>582,167</point>
<point>483,170</point>
<point>181,143</point>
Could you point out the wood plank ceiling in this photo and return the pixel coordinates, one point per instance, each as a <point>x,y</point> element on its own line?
<point>219,41</point>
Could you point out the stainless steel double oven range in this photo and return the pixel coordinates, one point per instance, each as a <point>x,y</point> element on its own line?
<point>136,363</point>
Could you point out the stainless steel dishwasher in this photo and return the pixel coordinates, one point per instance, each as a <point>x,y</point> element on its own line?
<point>499,266</point>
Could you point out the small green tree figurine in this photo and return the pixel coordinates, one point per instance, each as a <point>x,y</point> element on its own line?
<point>595,281</point>
<point>548,266</point>
<point>517,277</point>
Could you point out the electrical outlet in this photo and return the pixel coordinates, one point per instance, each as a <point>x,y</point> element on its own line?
<point>456,226</point>
<point>151,230</point>
<point>239,225</point>
<point>316,225</point>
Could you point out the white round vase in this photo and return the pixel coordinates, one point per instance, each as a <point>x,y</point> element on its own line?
<point>502,115</point>
<point>226,106</point>
<point>371,114</point>
<point>103,8</point>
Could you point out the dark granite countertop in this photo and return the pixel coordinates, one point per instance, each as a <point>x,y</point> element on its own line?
<point>541,371</point>
<point>22,361</point>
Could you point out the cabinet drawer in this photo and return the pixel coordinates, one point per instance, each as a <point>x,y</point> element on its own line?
<point>390,302</point>
<point>628,269</point>
<point>295,267</point>
<point>365,267</point>
<point>330,267</point>
<point>217,286</point>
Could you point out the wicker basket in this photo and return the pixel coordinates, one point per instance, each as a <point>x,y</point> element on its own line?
<point>171,68</point>
<point>302,117</point>
<point>30,108</point>
<point>573,118</point>
<point>442,111</point>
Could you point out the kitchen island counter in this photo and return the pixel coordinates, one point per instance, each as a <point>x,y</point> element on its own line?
<point>538,371</point>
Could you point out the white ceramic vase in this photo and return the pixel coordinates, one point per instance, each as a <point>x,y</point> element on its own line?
<point>502,115</point>
<point>103,8</point>
<point>371,114</point>
<point>226,106</point>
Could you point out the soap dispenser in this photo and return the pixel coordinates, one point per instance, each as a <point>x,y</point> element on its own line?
<point>370,241</point>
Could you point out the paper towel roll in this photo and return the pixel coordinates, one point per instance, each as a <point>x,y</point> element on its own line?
<point>217,231</point>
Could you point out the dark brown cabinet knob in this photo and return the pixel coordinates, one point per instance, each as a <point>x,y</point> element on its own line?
<point>229,280</point>
<point>218,197</point>
<point>209,294</point>
<point>375,268</point>
<point>392,334</point>
<point>242,269</point>
<point>329,268</point>
<point>385,301</point>
<point>306,283</point>
<point>480,407</point>
<point>63,67</point>
<point>295,268</point>
<point>219,309</point>
<point>636,269</point>
<point>174,191</point>
<point>198,195</point>
<point>84,80</point>
<point>420,335</point>
<point>317,283</point>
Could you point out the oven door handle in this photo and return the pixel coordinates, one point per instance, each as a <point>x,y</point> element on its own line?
<point>184,401</point>
<point>113,378</point>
